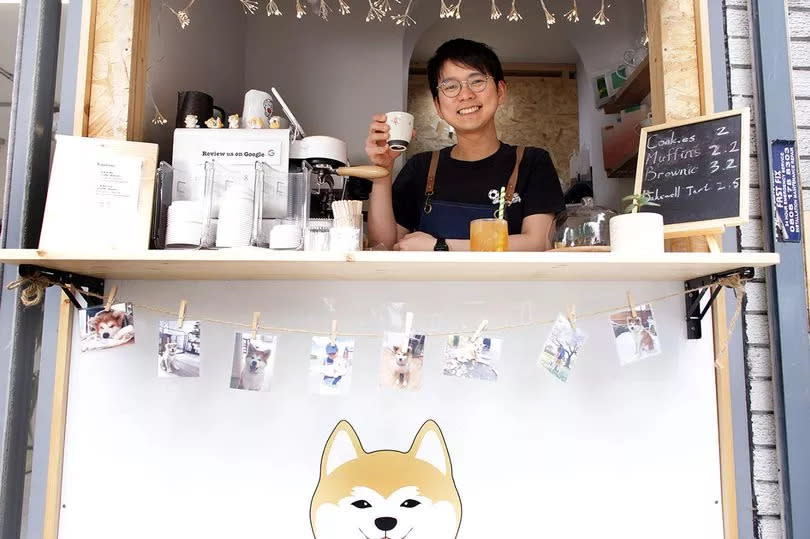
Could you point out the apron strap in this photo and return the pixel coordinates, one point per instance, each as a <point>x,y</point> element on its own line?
<point>431,182</point>
<point>510,187</point>
<point>431,179</point>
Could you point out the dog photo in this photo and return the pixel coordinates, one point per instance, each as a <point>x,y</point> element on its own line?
<point>253,362</point>
<point>562,347</point>
<point>466,357</point>
<point>101,328</point>
<point>636,336</point>
<point>401,361</point>
<point>179,349</point>
<point>330,365</point>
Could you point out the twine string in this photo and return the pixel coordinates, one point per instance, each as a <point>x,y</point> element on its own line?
<point>34,286</point>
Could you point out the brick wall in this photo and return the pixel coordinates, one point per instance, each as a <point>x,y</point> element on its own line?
<point>767,502</point>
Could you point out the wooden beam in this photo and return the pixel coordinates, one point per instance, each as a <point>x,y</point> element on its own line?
<point>56,450</point>
<point>674,67</point>
<point>84,68</point>
<point>118,81</point>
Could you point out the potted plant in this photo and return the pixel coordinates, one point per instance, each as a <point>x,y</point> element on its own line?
<point>635,231</point>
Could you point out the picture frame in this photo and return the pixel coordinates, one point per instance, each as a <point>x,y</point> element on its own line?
<point>100,195</point>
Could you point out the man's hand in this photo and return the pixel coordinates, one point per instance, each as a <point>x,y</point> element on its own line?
<point>416,241</point>
<point>377,148</point>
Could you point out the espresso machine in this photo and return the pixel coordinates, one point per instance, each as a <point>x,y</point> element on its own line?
<point>328,157</point>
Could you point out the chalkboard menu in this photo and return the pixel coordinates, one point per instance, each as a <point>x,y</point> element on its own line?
<point>697,171</point>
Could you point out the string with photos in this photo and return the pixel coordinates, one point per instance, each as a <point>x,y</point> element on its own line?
<point>33,292</point>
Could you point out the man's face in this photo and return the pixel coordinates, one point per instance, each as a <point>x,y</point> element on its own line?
<point>468,111</point>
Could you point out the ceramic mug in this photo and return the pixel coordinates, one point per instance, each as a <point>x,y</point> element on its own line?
<point>258,104</point>
<point>401,129</point>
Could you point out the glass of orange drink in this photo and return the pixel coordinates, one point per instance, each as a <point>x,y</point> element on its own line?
<point>489,235</point>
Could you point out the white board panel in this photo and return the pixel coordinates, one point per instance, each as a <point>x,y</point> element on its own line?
<point>617,451</point>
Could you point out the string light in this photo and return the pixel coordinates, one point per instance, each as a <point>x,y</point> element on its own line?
<point>272,9</point>
<point>514,16</point>
<point>182,16</point>
<point>404,19</point>
<point>494,13</point>
<point>601,17</point>
<point>550,18</point>
<point>250,6</point>
<point>573,15</point>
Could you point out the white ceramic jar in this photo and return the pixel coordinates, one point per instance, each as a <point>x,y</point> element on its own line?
<point>637,233</point>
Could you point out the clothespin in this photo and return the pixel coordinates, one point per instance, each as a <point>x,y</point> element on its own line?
<point>110,298</point>
<point>181,313</point>
<point>333,334</point>
<point>481,328</point>
<point>408,326</point>
<point>255,325</point>
<point>631,304</point>
<point>572,316</point>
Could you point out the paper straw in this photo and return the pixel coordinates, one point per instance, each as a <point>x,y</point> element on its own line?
<point>501,202</point>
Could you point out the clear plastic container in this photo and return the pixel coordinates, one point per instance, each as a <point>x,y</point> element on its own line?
<point>582,225</point>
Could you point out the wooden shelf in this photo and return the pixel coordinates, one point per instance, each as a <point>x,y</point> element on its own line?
<point>263,264</point>
<point>626,170</point>
<point>634,90</point>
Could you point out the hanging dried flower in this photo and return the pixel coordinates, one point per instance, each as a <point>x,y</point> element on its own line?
<point>444,11</point>
<point>601,18</point>
<point>182,15</point>
<point>494,13</point>
<point>573,15</point>
<point>250,6</point>
<point>344,8</point>
<point>272,9</point>
<point>550,18</point>
<point>383,5</point>
<point>404,19</point>
<point>374,12</point>
<point>300,9</point>
<point>645,38</point>
<point>158,118</point>
<point>514,16</point>
<point>456,11</point>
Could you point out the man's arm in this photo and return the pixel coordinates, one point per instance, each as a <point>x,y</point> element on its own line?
<point>534,235</point>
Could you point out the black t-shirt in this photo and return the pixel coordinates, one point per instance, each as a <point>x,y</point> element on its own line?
<point>538,188</point>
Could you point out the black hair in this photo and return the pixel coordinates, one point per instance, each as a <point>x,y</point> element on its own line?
<point>477,55</point>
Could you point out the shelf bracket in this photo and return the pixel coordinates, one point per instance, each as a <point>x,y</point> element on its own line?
<point>697,290</point>
<point>77,287</point>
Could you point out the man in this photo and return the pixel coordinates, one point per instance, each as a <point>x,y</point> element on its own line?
<point>421,214</point>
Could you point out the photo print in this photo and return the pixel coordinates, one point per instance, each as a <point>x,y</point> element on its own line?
<point>562,348</point>
<point>466,357</point>
<point>101,328</point>
<point>401,361</point>
<point>253,361</point>
<point>330,365</point>
<point>636,336</point>
<point>179,349</point>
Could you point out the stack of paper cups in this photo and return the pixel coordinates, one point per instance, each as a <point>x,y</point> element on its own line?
<point>235,218</point>
<point>184,224</point>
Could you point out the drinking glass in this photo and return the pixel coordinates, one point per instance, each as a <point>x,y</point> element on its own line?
<point>489,235</point>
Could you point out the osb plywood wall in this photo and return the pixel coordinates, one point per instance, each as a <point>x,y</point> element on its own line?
<point>539,111</point>
<point>109,90</point>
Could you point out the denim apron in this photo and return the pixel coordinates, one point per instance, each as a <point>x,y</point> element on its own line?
<point>451,220</point>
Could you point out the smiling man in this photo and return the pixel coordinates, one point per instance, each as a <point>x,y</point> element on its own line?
<point>437,194</point>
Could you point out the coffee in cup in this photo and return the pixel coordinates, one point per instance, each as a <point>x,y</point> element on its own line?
<point>400,126</point>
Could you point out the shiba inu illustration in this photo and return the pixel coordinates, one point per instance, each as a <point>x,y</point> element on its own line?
<point>641,337</point>
<point>386,494</point>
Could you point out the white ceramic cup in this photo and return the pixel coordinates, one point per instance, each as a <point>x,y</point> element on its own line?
<point>258,104</point>
<point>401,129</point>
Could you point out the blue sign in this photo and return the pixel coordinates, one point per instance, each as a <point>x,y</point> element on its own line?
<point>786,191</point>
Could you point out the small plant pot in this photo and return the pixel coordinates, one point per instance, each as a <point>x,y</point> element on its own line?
<point>637,233</point>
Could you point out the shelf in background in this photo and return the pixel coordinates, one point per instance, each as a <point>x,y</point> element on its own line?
<point>263,264</point>
<point>634,90</point>
<point>626,170</point>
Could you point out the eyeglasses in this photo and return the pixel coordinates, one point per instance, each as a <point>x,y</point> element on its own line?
<point>476,83</point>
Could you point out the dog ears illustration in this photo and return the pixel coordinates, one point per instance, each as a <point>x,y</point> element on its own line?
<point>343,446</point>
<point>429,446</point>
